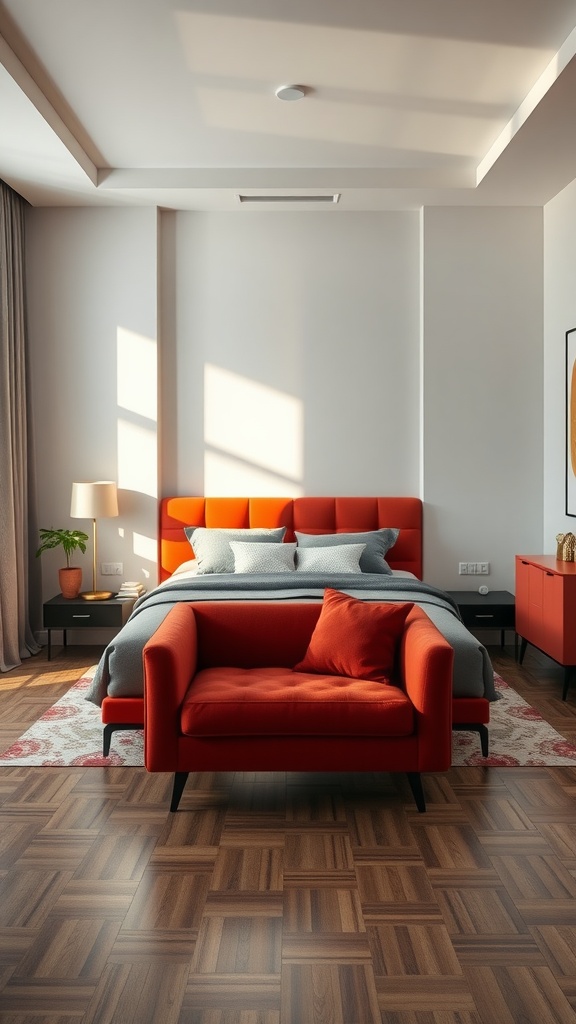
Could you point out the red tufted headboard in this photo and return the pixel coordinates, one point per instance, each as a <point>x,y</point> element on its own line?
<point>308,515</point>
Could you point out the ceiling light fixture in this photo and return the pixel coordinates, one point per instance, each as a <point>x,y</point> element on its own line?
<point>290,92</point>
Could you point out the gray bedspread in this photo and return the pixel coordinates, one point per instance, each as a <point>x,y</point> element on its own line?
<point>120,673</point>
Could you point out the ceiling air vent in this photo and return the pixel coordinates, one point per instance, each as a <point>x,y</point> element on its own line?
<point>333,197</point>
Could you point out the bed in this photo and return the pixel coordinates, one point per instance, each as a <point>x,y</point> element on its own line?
<point>314,523</point>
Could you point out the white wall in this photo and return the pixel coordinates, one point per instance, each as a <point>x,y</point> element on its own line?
<point>482,450</point>
<point>92,301</point>
<point>290,362</point>
<point>559,317</point>
<point>294,361</point>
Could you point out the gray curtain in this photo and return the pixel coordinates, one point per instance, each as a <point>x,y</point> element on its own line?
<point>17,521</point>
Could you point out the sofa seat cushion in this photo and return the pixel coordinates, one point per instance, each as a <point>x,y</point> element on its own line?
<point>279,702</point>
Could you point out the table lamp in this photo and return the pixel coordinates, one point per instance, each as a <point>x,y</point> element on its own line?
<point>93,501</point>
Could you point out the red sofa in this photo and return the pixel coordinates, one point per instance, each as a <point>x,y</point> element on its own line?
<point>220,694</point>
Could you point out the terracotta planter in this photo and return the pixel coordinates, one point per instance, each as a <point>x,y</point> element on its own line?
<point>70,581</point>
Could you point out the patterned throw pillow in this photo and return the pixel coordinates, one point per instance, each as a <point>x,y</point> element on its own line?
<point>339,558</point>
<point>265,558</point>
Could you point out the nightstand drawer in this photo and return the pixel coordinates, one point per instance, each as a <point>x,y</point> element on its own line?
<point>494,610</point>
<point>85,613</point>
<point>499,616</point>
<point>76,613</point>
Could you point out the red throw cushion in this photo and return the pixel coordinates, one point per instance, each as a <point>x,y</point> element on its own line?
<point>355,638</point>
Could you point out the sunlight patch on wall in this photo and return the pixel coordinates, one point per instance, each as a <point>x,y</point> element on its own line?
<point>137,373</point>
<point>259,428</point>
<point>137,458</point>
<point>137,442</point>
<point>225,477</point>
<point>145,547</point>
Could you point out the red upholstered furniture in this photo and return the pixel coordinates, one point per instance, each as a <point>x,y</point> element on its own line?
<point>220,695</point>
<point>309,515</point>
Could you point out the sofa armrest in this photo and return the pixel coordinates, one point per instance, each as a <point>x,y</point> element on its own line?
<point>427,670</point>
<point>169,657</point>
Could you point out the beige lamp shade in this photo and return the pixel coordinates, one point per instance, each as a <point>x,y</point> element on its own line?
<point>94,500</point>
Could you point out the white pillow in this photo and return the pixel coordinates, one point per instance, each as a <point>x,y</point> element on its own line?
<point>263,557</point>
<point>337,558</point>
<point>211,545</point>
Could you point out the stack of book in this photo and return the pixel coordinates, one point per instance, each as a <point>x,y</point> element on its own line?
<point>128,591</point>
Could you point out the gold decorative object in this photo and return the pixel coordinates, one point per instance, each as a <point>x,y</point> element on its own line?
<point>566,550</point>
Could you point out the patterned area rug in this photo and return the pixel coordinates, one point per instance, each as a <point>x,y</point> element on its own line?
<point>70,733</point>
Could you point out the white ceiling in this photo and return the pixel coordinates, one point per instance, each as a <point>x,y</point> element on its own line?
<point>172,104</point>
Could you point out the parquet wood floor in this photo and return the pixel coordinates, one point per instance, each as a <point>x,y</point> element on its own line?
<point>285,899</point>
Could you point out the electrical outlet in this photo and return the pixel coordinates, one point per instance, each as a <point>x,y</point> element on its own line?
<point>474,568</point>
<point>112,568</point>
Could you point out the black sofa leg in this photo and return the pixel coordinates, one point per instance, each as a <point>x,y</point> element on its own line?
<point>178,788</point>
<point>415,781</point>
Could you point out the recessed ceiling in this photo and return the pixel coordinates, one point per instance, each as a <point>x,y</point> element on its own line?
<point>154,102</point>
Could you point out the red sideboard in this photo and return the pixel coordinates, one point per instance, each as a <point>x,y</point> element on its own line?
<point>546,609</point>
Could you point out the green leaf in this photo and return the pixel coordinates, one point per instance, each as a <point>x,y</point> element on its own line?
<point>68,539</point>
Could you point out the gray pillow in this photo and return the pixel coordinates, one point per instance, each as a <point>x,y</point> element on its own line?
<point>377,542</point>
<point>250,557</point>
<point>212,549</point>
<point>335,558</point>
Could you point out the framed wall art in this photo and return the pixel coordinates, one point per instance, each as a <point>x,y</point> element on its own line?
<point>571,422</point>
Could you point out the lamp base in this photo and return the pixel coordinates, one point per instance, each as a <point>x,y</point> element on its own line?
<point>96,595</point>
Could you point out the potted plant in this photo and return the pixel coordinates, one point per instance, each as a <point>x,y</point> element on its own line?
<point>70,577</point>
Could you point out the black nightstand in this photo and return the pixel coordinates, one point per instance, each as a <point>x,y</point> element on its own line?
<point>76,613</point>
<point>494,610</point>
